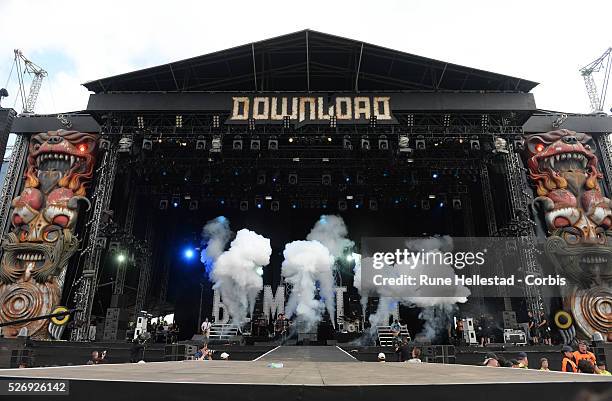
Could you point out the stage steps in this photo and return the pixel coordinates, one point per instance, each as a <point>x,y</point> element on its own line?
<point>224,332</point>
<point>305,353</point>
<point>385,335</point>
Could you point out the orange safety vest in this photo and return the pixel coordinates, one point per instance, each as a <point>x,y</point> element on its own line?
<point>572,365</point>
<point>578,356</point>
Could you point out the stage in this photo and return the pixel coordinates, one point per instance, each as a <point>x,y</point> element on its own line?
<point>321,373</point>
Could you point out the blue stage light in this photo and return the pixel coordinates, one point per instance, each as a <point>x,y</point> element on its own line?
<point>189,253</point>
<point>434,175</point>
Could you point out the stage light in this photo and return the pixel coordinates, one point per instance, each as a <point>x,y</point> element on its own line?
<point>342,206</point>
<point>121,258</point>
<point>347,179</point>
<point>425,205</point>
<point>373,204</point>
<point>383,142</point>
<point>286,122</point>
<point>275,206</point>
<point>222,202</point>
<point>259,270</point>
<point>179,121</point>
<point>261,178</point>
<point>293,179</point>
<point>163,204</point>
<point>349,258</point>
<point>326,179</point>
<point>140,120</point>
<point>457,204</point>
<point>255,144</point>
<point>294,205</point>
<point>333,120</point>
<point>188,253</point>
<point>244,206</point>
<point>346,143</point>
<point>251,124</point>
<point>290,140</point>
<point>216,145</point>
<point>125,144</point>
<point>193,205</point>
<point>373,121</point>
<point>258,202</point>
<point>272,144</point>
<point>474,144</point>
<point>104,144</point>
<point>365,143</point>
<point>200,143</point>
<point>349,197</point>
<point>176,201</point>
<point>329,139</point>
<point>420,143</point>
<point>434,175</point>
<point>237,143</point>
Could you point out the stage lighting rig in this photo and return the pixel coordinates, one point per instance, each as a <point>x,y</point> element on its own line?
<point>216,121</point>
<point>175,201</point>
<point>255,144</point>
<point>147,144</point>
<point>474,144</point>
<point>333,122</point>
<point>273,143</point>
<point>216,145</point>
<point>383,142</point>
<point>179,121</point>
<point>293,179</point>
<point>125,144</point>
<point>200,143</point>
<point>365,143</point>
<point>237,143</point>
<point>346,143</point>
<point>373,121</point>
<point>140,122</point>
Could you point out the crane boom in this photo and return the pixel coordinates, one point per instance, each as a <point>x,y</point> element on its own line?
<point>604,62</point>
<point>38,73</point>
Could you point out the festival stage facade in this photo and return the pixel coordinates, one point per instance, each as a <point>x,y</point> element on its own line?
<point>104,210</point>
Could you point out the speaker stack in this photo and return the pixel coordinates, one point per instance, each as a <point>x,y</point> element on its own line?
<point>179,352</point>
<point>469,331</point>
<point>439,354</point>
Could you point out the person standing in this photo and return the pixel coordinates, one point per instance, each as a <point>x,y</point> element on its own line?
<point>544,329</point>
<point>568,364</point>
<point>533,331</point>
<point>206,325</point>
<point>584,353</point>
<point>544,364</point>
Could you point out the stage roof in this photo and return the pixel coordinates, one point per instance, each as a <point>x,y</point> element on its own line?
<point>309,61</point>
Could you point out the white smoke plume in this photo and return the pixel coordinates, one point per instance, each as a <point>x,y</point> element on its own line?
<point>437,303</point>
<point>215,235</point>
<point>237,273</point>
<point>332,232</point>
<point>305,264</point>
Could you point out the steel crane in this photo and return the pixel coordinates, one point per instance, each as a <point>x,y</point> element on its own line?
<point>26,66</point>
<point>603,62</point>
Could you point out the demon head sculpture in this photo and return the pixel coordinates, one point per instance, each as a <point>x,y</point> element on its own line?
<point>578,219</point>
<point>36,251</point>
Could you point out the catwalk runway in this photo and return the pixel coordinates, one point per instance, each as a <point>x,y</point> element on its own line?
<point>310,379</point>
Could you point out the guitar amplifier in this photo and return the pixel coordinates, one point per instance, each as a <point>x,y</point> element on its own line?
<point>516,337</point>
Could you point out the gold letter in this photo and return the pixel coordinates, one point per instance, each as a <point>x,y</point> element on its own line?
<point>386,113</point>
<point>311,102</point>
<point>283,113</point>
<point>236,115</point>
<point>321,110</point>
<point>362,106</point>
<point>266,108</point>
<point>348,115</point>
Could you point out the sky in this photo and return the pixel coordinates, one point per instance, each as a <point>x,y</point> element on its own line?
<point>78,41</point>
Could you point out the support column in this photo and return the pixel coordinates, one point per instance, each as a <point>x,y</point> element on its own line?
<point>84,295</point>
<point>604,143</point>
<point>145,268</point>
<point>12,181</point>
<point>521,225</point>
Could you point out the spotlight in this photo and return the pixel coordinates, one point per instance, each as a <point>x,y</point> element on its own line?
<point>420,144</point>
<point>293,179</point>
<point>290,139</point>
<point>121,258</point>
<point>365,143</point>
<point>329,139</point>
<point>188,253</point>
<point>261,178</point>
<point>105,144</point>
<point>179,121</point>
<point>200,143</point>
<point>326,179</point>
<point>373,121</point>
<point>176,201</point>
<point>275,206</point>
<point>125,144</point>
<point>255,144</point>
<point>216,145</point>
<point>383,143</point>
<point>272,144</point>
<point>342,205</point>
<point>286,122</point>
<point>140,120</point>
<point>333,122</point>
<point>346,143</point>
<point>193,205</point>
<point>251,124</point>
<point>457,204</point>
<point>163,204</point>
<point>237,143</point>
<point>349,258</point>
<point>216,122</point>
<point>244,206</point>
<point>474,144</point>
<point>434,175</point>
<point>147,144</point>
<point>258,202</point>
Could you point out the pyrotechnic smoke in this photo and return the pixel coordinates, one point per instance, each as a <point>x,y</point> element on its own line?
<point>237,273</point>
<point>331,232</point>
<point>305,264</point>
<point>437,303</point>
<point>215,235</point>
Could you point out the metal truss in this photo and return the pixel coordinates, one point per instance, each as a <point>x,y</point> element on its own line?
<point>84,296</point>
<point>128,228</point>
<point>146,265</point>
<point>12,181</point>
<point>605,148</point>
<point>521,225</point>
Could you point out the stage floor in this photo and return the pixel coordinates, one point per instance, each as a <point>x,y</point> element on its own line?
<point>308,379</point>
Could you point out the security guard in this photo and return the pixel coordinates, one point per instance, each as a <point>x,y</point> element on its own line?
<point>584,353</point>
<point>568,364</point>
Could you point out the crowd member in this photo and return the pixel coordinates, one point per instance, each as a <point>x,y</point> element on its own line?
<point>416,356</point>
<point>397,343</point>
<point>584,353</point>
<point>485,330</point>
<point>523,360</point>
<point>280,327</point>
<point>544,329</point>
<point>514,363</point>
<point>97,358</point>
<point>504,363</point>
<point>568,364</point>
<point>601,366</point>
<point>206,325</point>
<point>404,351</point>
<point>382,357</point>
<point>585,366</point>
<point>225,356</point>
<point>459,332</point>
<point>396,328</point>
<point>203,354</point>
<point>544,364</point>
<point>491,361</point>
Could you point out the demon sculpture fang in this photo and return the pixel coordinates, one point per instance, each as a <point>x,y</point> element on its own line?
<point>578,220</point>
<point>60,164</point>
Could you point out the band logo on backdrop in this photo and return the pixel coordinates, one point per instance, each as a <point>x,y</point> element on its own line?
<point>311,109</point>
<point>36,251</point>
